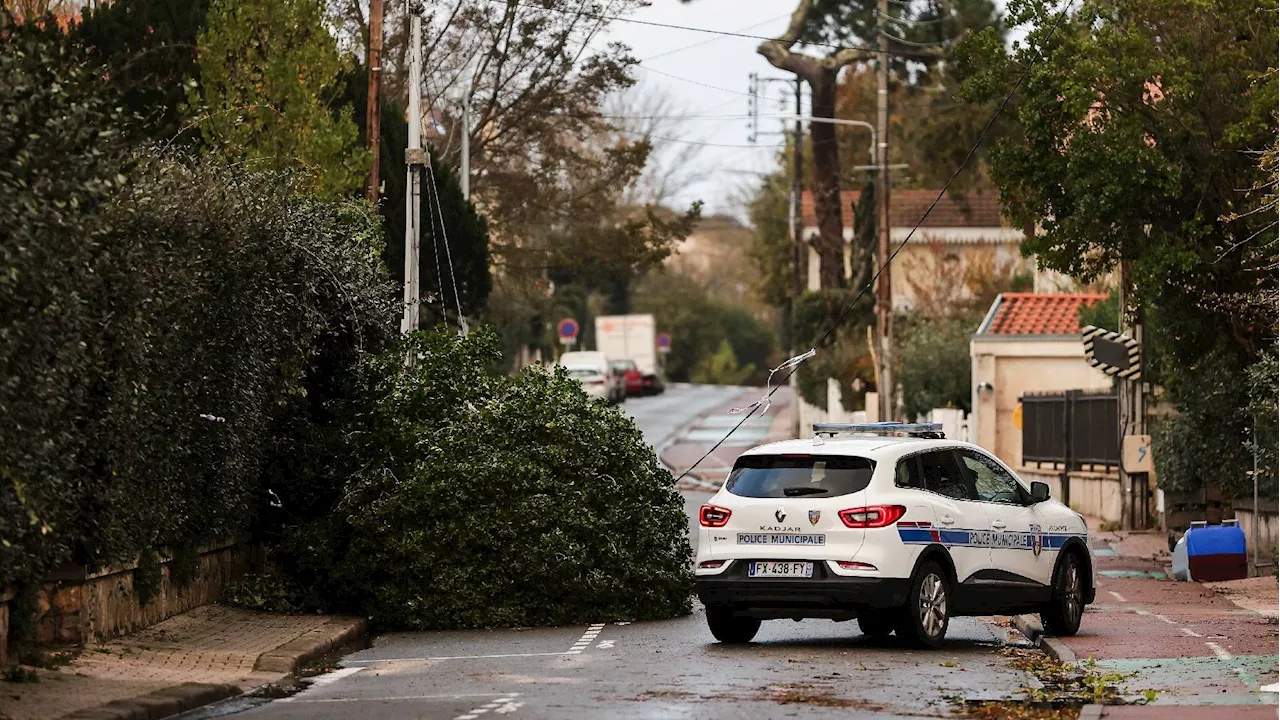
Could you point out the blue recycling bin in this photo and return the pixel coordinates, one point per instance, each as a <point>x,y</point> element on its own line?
<point>1216,552</point>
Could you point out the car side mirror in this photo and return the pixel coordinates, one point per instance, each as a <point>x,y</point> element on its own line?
<point>1039,492</point>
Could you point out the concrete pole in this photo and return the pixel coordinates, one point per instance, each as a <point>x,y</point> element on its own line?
<point>797,237</point>
<point>415,161</point>
<point>373,109</point>
<point>884,293</point>
<point>466,141</point>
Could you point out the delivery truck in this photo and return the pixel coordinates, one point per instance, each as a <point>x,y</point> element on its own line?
<point>631,337</point>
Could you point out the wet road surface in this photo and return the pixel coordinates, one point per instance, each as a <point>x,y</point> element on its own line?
<point>666,669</point>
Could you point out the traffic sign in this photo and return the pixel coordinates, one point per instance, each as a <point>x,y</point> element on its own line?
<point>1112,353</point>
<point>568,330</point>
<point>664,342</point>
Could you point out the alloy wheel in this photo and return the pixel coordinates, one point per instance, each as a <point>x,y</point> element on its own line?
<point>933,604</point>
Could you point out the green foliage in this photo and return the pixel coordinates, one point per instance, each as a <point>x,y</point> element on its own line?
<point>721,368</point>
<point>160,316</point>
<point>934,368</point>
<point>268,591</point>
<point>268,69</point>
<point>147,577</point>
<point>842,355</point>
<point>148,50</point>
<point>1103,314</point>
<point>699,325</point>
<point>184,567</point>
<point>476,500</point>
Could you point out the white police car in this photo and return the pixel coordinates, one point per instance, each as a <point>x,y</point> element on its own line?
<point>895,526</point>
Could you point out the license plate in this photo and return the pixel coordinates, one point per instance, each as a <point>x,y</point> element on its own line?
<point>780,539</point>
<point>780,569</point>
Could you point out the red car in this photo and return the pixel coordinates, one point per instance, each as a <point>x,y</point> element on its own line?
<point>631,376</point>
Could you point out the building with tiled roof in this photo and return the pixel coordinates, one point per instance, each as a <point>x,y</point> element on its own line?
<point>964,231</point>
<point>1026,343</point>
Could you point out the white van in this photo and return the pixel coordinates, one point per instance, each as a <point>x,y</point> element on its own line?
<point>593,370</point>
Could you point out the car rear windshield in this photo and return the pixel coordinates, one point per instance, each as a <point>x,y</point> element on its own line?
<point>779,476</point>
<point>582,372</point>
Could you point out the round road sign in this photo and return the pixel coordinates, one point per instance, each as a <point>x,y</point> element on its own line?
<point>568,329</point>
<point>664,341</point>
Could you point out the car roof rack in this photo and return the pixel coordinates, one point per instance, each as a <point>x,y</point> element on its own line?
<point>927,431</point>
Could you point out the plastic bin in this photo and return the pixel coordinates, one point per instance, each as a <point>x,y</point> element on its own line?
<point>1212,552</point>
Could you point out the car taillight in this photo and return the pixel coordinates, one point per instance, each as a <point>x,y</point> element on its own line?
<point>713,516</point>
<point>875,516</point>
<point>849,565</point>
<point>710,564</point>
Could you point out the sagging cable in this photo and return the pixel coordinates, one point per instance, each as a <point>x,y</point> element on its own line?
<point>765,400</point>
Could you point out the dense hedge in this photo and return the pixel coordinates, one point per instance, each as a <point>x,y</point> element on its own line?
<point>156,316</point>
<point>477,500</point>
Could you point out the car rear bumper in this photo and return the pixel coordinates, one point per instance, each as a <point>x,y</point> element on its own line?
<point>825,595</point>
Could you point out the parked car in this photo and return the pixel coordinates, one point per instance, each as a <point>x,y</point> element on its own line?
<point>900,532</point>
<point>632,378</point>
<point>601,381</point>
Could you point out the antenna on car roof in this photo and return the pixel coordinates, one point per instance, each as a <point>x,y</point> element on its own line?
<point>926,431</point>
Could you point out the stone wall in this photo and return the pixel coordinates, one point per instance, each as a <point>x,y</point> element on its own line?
<point>1094,494</point>
<point>1268,528</point>
<point>76,606</point>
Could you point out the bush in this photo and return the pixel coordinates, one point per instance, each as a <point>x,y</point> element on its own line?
<point>479,500</point>
<point>934,367</point>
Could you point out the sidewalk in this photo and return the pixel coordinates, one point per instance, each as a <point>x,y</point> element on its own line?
<point>1195,644</point>
<point>186,658</point>
<point>701,435</point>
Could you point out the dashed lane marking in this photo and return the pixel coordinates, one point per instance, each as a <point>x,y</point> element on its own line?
<point>453,657</point>
<point>1190,633</point>
<point>505,703</point>
<point>1117,596</point>
<point>1166,619</point>
<point>1218,650</point>
<point>392,698</point>
<point>587,638</point>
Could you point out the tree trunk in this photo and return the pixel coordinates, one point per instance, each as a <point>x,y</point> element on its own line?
<point>826,181</point>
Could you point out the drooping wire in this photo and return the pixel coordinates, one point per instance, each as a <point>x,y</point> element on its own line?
<point>1057,22</point>
<point>457,299</point>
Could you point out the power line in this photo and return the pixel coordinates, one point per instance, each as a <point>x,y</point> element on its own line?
<point>870,283</point>
<point>711,40</point>
<point>689,142</point>
<point>694,82</point>
<point>710,31</point>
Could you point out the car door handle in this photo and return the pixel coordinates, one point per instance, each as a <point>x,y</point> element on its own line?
<point>947,520</point>
<point>997,524</point>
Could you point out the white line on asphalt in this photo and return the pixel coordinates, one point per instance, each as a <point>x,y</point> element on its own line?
<point>1272,688</point>
<point>605,644</point>
<point>504,704</point>
<point>391,698</point>
<point>587,638</point>
<point>326,679</point>
<point>1166,619</point>
<point>1117,596</point>
<point>1218,650</point>
<point>1190,633</point>
<point>453,657</point>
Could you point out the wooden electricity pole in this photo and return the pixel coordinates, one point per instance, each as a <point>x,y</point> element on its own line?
<point>884,294</point>
<point>373,109</point>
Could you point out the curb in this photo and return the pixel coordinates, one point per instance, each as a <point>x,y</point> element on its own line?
<point>1030,626</point>
<point>159,704</point>
<point>312,644</point>
<point>1090,712</point>
<point>287,659</point>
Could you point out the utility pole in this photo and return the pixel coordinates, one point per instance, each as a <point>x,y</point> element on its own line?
<point>797,235</point>
<point>415,159</point>
<point>373,109</point>
<point>884,294</point>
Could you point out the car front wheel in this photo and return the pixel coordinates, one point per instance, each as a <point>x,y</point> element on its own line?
<point>730,629</point>
<point>1061,617</point>
<point>924,620</point>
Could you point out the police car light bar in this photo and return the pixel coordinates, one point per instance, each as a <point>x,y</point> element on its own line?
<point>924,430</point>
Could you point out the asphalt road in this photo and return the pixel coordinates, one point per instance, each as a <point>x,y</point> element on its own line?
<point>668,669</point>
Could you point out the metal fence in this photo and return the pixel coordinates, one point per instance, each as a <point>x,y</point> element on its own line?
<point>1073,429</point>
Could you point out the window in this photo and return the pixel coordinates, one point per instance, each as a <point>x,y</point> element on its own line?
<point>993,483</point>
<point>942,475</point>
<point>908,473</point>
<point>778,476</point>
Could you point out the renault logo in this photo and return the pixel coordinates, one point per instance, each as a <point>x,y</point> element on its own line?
<point>780,514</point>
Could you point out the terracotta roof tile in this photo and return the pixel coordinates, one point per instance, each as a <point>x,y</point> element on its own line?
<point>1039,314</point>
<point>974,209</point>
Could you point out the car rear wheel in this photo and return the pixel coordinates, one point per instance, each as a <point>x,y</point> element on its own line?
<point>730,629</point>
<point>875,623</point>
<point>923,622</point>
<point>1061,617</point>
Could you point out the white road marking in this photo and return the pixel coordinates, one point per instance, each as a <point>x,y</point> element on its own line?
<point>1117,596</point>
<point>1218,650</point>
<point>624,622</point>
<point>1166,619</point>
<point>453,657</point>
<point>390,698</point>
<point>504,704</point>
<point>1272,688</point>
<point>1190,633</point>
<point>587,638</point>
<point>605,644</point>
<point>326,679</point>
